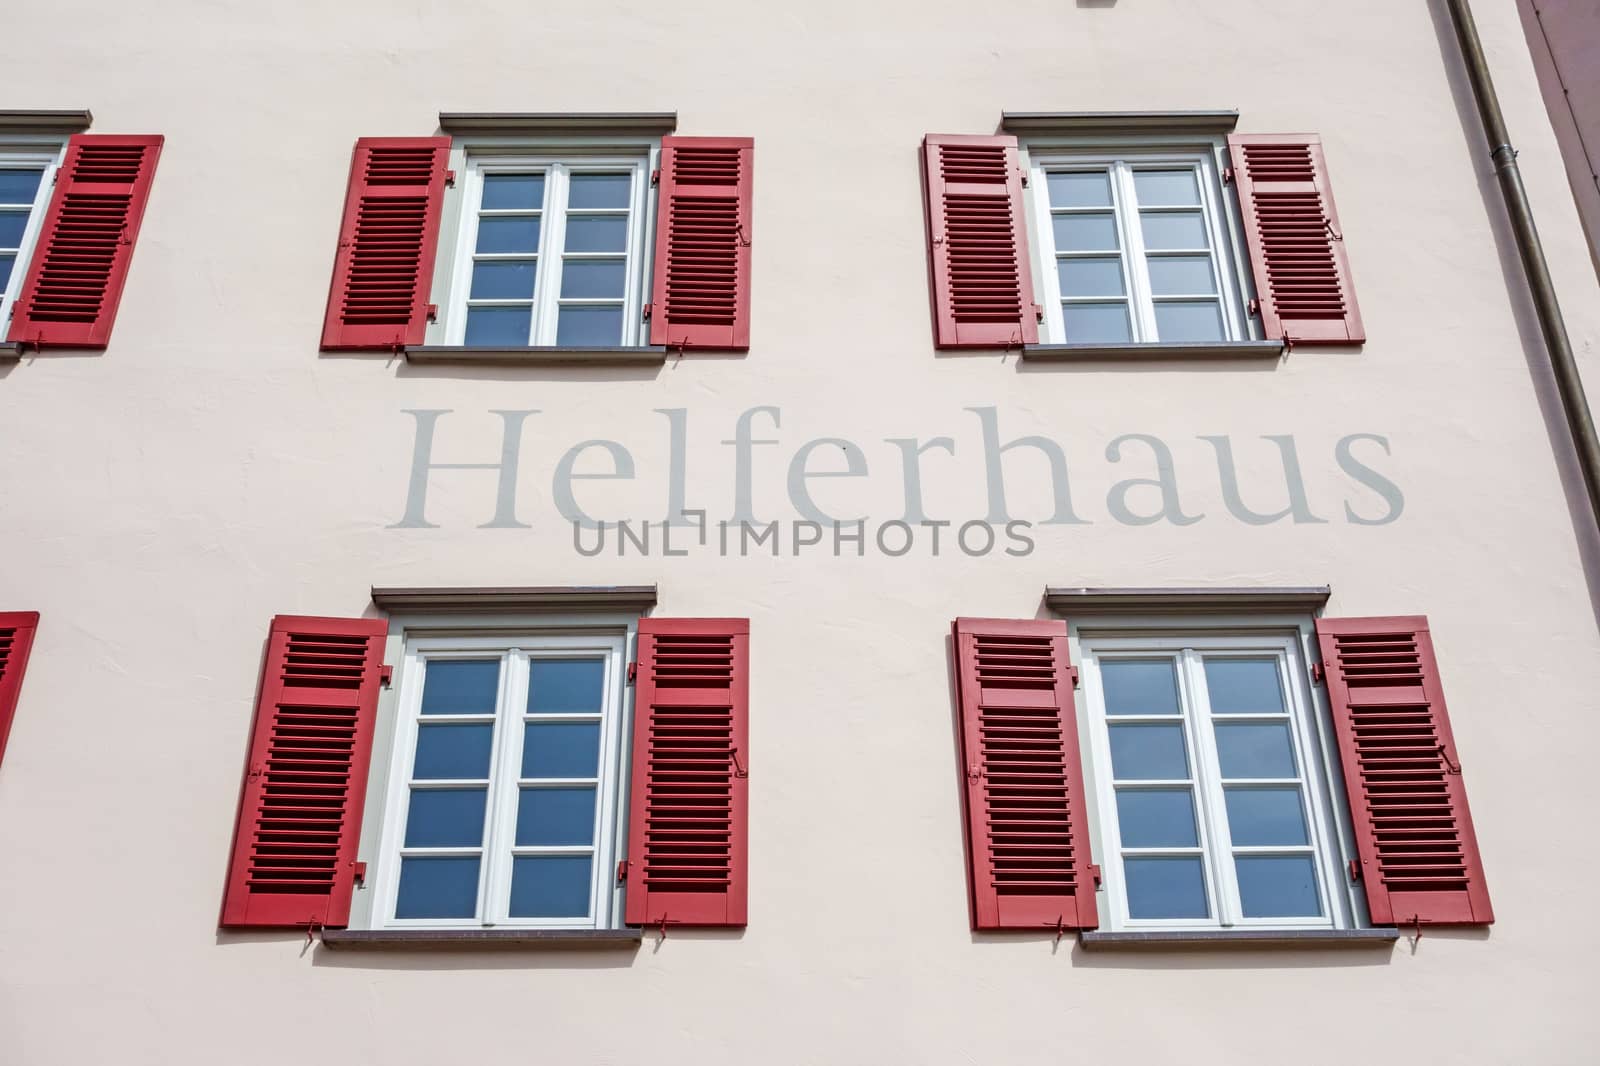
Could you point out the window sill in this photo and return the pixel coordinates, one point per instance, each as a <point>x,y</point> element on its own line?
<point>1063,353</point>
<point>542,355</point>
<point>1159,940</point>
<point>449,939</point>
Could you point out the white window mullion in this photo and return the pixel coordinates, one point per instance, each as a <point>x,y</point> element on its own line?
<point>1214,801</point>
<point>1140,303</point>
<point>552,245</point>
<point>499,820</point>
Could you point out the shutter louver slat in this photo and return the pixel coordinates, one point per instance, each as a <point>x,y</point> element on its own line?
<point>1413,829</point>
<point>1297,255</point>
<point>1027,844</point>
<point>16,641</point>
<point>688,793</point>
<point>701,288</point>
<point>978,252</point>
<point>86,241</point>
<point>300,814</point>
<point>387,243</point>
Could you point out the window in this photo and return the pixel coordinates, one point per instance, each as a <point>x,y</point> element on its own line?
<point>1206,762</point>
<point>550,251</point>
<point>503,789</point>
<point>1133,248</point>
<point>25,180</point>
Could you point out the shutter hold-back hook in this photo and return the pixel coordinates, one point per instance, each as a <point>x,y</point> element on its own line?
<point>738,770</point>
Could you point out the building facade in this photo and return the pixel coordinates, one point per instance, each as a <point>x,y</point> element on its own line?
<point>804,535</point>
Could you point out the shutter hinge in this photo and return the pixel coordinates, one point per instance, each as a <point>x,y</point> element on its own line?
<point>385,675</point>
<point>1227,175</point>
<point>1072,675</point>
<point>1038,313</point>
<point>433,312</point>
<point>1318,672</point>
<point>648,308</point>
<point>1024,174</point>
<point>1254,307</point>
<point>361,873</point>
<point>1355,870</point>
<point>633,672</point>
<point>449,177</point>
<point>655,176</point>
<point>1093,871</point>
<point>622,871</point>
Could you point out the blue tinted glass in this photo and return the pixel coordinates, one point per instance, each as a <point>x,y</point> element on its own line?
<point>500,279</point>
<point>1166,188</point>
<point>603,233</point>
<point>12,223</point>
<point>6,262</point>
<point>445,818</point>
<point>1096,323</point>
<point>586,279</point>
<point>1201,321</point>
<point>458,752</point>
<point>1173,230</point>
<point>1156,818</point>
<point>515,234</point>
<point>599,190</point>
<point>1083,276</point>
<point>513,192</point>
<point>461,686</point>
<point>437,887</point>
<point>1139,686</point>
<point>599,326</point>
<point>1086,233</point>
<point>510,327</point>
<point>1244,686</point>
<point>1263,817</point>
<point>561,749</point>
<point>555,816</point>
<point>1165,888</point>
<point>556,685</point>
<point>1080,189</point>
<point>1278,886</point>
<point>1254,750</point>
<point>1148,753</point>
<point>550,886</point>
<point>19,186</point>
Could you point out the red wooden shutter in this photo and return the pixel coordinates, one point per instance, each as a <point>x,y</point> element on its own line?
<point>1026,834</point>
<point>80,262</point>
<point>1296,244</point>
<point>700,297</point>
<point>384,270</point>
<point>294,850</point>
<point>978,243</point>
<point>16,638</point>
<point>689,795</point>
<point>1418,853</point>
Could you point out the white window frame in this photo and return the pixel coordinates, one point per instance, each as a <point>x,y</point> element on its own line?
<point>1218,205</point>
<point>1310,728</point>
<point>557,160</point>
<point>26,153</point>
<point>391,784</point>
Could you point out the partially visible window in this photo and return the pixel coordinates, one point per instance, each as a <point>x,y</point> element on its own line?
<point>1133,248</point>
<point>551,251</point>
<point>24,191</point>
<point>1213,810</point>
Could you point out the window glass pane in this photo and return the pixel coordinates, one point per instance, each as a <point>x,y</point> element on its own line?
<point>1244,686</point>
<point>1156,818</point>
<point>445,818</point>
<point>516,234</point>
<point>1173,230</point>
<point>1181,275</point>
<point>599,190</point>
<point>1165,887</point>
<point>1139,686</point>
<point>1266,817</point>
<point>1189,321</point>
<point>1166,188</point>
<point>438,887</point>
<point>453,752</point>
<point>503,326</point>
<point>555,816</point>
<point>561,749</point>
<point>513,192</point>
<point>12,223</point>
<point>18,186</point>
<point>1090,277</point>
<point>1080,189</point>
<point>605,233</point>
<point>1278,886</point>
<point>557,685</point>
<point>461,686</point>
<point>500,280</point>
<point>1255,750</point>
<point>6,263</point>
<point>586,279</point>
<point>1096,323</point>
<point>1086,233</point>
<point>580,326</point>
<point>1148,753</point>
<point>550,886</point>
